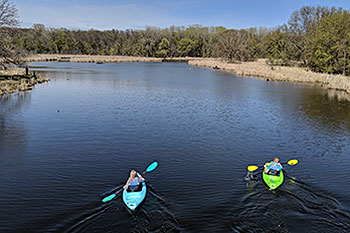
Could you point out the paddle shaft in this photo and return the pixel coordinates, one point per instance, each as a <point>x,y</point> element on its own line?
<point>291,162</point>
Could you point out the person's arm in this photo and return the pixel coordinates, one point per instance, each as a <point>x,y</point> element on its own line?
<point>266,169</point>
<point>127,184</point>
<point>142,179</point>
<point>281,165</point>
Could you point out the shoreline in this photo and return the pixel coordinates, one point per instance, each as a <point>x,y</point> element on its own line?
<point>101,59</point>
<point>255,69</point>
<point>13,81</point>
<point>259,69</point>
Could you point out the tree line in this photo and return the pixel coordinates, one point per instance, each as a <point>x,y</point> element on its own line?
<point>9,53</point>
<point>315,37</point>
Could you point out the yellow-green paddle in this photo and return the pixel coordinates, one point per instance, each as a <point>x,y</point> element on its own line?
<point>291,162</point>
<point>252,168</point>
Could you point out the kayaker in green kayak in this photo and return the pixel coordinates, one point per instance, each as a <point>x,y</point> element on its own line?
<point>134,181</point>
<point>274,167</point>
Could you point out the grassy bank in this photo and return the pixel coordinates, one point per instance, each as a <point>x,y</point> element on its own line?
<point>12,81</point>
<point>259,69</point>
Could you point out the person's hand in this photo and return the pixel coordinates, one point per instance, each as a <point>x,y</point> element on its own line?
<point>124,187</point>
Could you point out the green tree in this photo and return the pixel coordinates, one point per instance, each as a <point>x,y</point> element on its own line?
<point>59,37</point>
<point>302,26</point>
<point>163,48</point>
<point>277,46</point>
<point>186,47</point>
<point>115,48</point>
<point>330,51</point>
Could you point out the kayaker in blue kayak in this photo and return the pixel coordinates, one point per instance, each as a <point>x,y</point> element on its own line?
<point>274,167</point>
<point>134,181</point>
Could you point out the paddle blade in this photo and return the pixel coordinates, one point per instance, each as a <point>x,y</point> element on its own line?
<point>110,197</point>
<point>252,168</point>
<point>152,166</point>
<point>292,162</point>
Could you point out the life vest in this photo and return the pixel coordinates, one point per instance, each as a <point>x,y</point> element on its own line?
<point>274,166</point>
<point>134,184</point>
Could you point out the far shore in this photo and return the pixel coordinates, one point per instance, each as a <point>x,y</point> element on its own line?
<point>257,69</point>
<point>100,59</point>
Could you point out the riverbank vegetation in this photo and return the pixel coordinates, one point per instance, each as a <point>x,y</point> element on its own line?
<point>11,78</point>
<point>315,37</point>
<point>261,69</point>
<point>10,52</point>
<point>15,80</point>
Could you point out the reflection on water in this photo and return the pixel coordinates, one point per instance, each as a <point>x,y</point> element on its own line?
<point>329,107</point>
<point>338,95</point>
<point>69,143</point>
<point>12,131</point>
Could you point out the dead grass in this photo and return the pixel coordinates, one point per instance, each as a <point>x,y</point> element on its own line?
<point>259,69</point>
<point>14,80</point>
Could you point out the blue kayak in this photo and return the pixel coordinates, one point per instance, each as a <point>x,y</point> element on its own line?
<point>133,199</point>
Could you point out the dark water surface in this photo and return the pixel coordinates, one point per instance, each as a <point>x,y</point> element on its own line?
<point>69,143</point>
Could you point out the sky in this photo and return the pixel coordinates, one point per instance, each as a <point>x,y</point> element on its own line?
<point>137,14</point>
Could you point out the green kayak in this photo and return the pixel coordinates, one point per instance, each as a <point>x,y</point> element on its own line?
<point>273,181</point>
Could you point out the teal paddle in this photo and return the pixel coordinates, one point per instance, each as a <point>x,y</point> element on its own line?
<point>110,197</point>
<point>150,168</point>
<point>291,162</point>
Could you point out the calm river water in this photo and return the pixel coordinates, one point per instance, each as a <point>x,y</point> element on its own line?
<point>67,144</point>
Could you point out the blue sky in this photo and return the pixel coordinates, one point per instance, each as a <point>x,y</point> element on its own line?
<point>136,14</point>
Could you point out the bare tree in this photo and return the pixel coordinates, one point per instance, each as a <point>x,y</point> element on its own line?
<point>8,14</point>
<point>9,54</point>
<point>236,45</point>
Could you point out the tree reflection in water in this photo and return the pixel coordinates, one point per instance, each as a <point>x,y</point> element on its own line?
<point>12,131</point>
<point>330,108</point>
